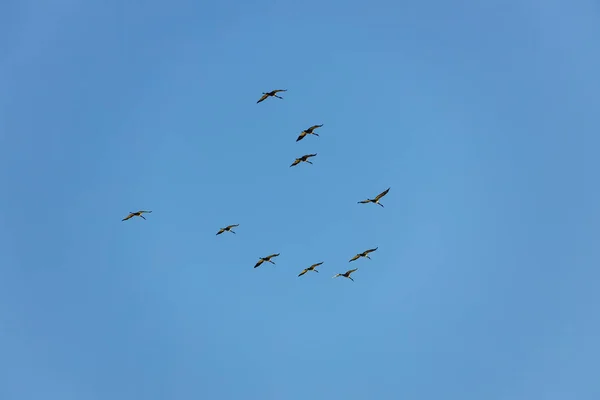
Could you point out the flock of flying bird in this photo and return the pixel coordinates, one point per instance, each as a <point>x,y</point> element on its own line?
<point>304,158</point>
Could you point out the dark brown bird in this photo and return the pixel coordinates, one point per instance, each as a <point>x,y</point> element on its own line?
<point>272,93</point>
<point>135,214</point>
<point>376,199</point>
<point>227,229</point>
<point>309,131</point>
<point>346,274</point>
<point>311,268</point>
<point>303,159</point>
<point>267,259</point>
<point>363,254</point>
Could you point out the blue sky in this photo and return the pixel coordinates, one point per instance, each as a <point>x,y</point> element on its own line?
<point>482,117</point>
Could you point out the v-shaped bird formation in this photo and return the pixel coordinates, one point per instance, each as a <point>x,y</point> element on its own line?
<point>303,159</point>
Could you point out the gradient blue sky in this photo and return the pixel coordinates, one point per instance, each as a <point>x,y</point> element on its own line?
<point>482,116</point>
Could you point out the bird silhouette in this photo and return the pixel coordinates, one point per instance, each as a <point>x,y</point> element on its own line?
<point>311,268</point>
<point>346,274</point>
<point>267,259</point>
<point>363,254</point>
<point>272,93</point>
<point>308,131</point>
<point>227,229</point>
<point>135,214</point>
<point>303,159</point>
<point>376,199</point>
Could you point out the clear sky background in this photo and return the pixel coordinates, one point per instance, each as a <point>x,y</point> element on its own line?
<point>482,117</point>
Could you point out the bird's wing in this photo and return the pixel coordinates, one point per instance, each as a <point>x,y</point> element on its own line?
<point>315,127</point>
<point>302,134</point>
<point>259,262</point>
<point>380,195</point>
<point>296,162</point>
<point>272,255</point>
<point>310,155</point>
<point>127,217</point>
<point>316,265</point>
<point>351,271</point>
<point>303,272</point>
<point>264,96</point>
<point>279,90</point>
<point>371,250</point>
<point>220,231</point>
<point>232,226</point>
<point>356,257</point>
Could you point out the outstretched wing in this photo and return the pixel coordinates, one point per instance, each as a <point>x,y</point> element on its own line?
<point>356,257</point>
<point>264,96</point>
<point>142,211</point>
<point>380,195</point>
<point>303,272</point>
<point>314,127</point>
<point>272,255</point>
<point>310,155</point>
<point>127,217</point>
<point>221,231</point>
<point>315,265</point>
<point>296,162</point>
<point>371,250</point>
<point>279,90</point>
<point>302,134</point>
<point>351,271</point>
<point>259,262</point>
<point>232,226</point>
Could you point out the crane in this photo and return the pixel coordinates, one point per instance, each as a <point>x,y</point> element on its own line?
<point>309,131</point>
<point>363,254</point>
<point>311,268</point>
<point>376,199</point>
<point>267,259</point>
<point>227,229</point>
<point>304,158</point>
<point>135,214</point>
<point>346,274</point>
<point>272,93</point>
